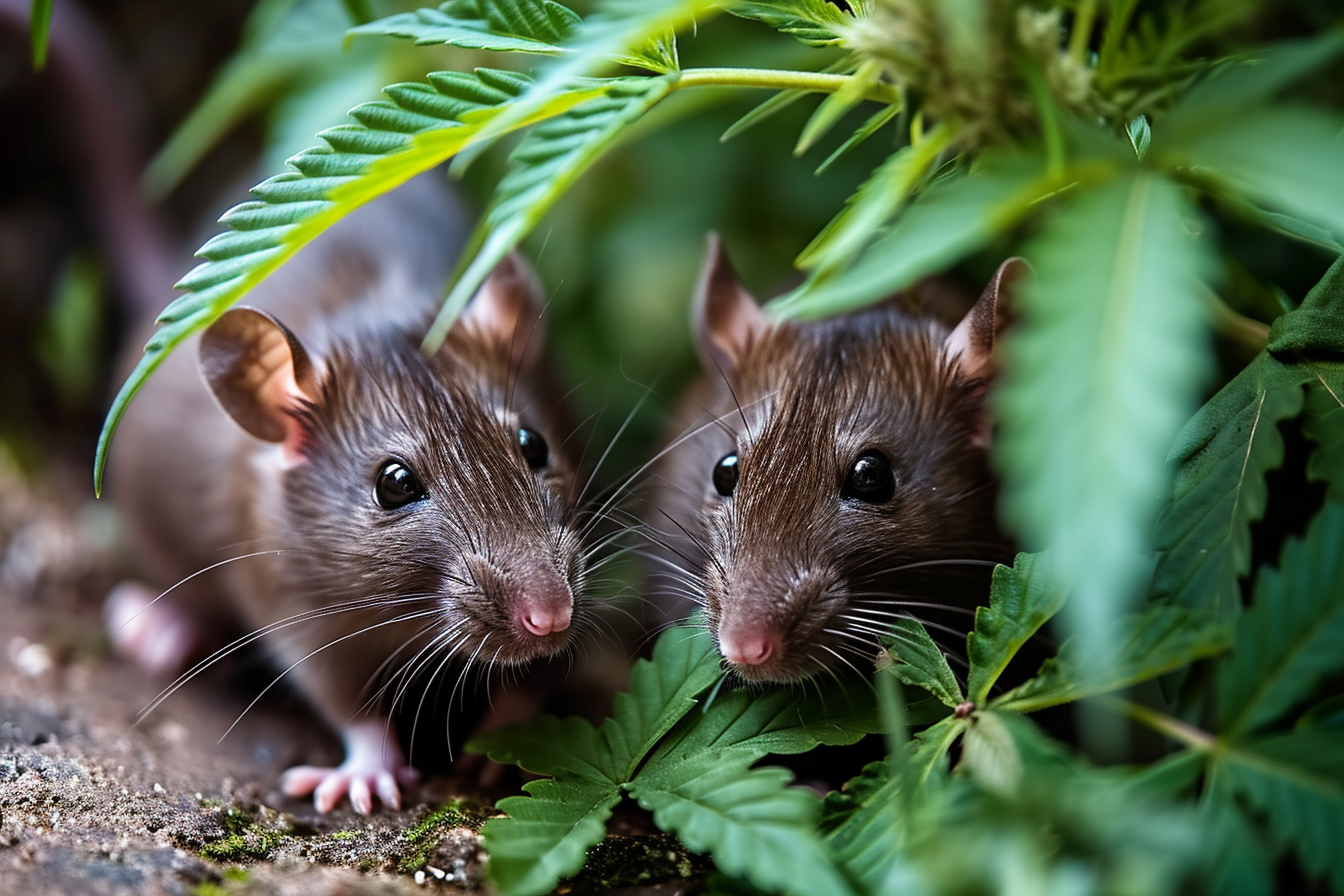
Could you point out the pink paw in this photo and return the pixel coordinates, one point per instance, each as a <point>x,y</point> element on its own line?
<point>330,785</point>
<point>157,635</point>
<point>374,764</point>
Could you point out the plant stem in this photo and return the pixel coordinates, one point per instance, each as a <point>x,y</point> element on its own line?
<point>1174,728</point>
<point>1237,327</point>
<point>781,79</point>
<point>1082,30</point>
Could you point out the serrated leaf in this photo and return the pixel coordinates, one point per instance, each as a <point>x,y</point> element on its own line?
<point>416,128</point>
<point>1152,643</point>
<point>1021,600</point>
<point>1314,327</point>
<point>39,32</point>
<point>1283,158</point>
<point>1297,779</point>
<point>834,106</point>
<point>873,838</point>
<point>1325,426</point>
<point>751,822</point>
<point>1293,634</point>
<point>948,222</point>
<point>776,103</point>
<point>918,661</point>
<point>542,167</point>
<point>1220,460</point>
<point>876,201</point>
<point>519,26</point>
<point>1236,862</point>
<point>816,23</point>
<point>1099,376</point>
<point>546,835</point>
<point>780,721</point>
<point>547,745</point>
<point>862,133</point>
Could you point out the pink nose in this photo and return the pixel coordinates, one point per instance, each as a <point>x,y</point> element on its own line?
<point>544,620</point>
<point>747,648</point>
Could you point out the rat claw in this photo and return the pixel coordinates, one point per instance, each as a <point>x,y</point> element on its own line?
<point>361,798</point>
<point>330,791</point>
<point>302,780</point>
<point>386,786</point>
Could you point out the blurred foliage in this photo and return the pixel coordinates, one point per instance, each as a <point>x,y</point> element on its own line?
<point>1175,173</point>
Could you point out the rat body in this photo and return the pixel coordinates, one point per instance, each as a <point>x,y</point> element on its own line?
<point>375,512</point>
<point>832,475</point>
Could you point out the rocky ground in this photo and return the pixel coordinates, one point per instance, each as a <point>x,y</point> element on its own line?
<point>92,801</point>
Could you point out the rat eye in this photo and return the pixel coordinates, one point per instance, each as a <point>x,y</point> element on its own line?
<point>534,448</point>
<point>397,486</point>
<point>725,474</point>
<point>870,479</point>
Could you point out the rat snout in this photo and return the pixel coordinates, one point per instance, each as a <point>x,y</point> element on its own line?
<point>544,618</point>
<point>543,603</point>
<point>750,647</point>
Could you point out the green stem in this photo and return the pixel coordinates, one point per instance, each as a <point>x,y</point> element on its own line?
<point>1082,30</point>
<point>1251,334</point>
<point>1195,738</point>
<point>781,79</point>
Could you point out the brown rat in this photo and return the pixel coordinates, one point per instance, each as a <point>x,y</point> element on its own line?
<point>376,512</point>
<point>833,475</point>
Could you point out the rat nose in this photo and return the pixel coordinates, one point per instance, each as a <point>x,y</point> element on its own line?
<point>544,619</point>
<point>748,648</point>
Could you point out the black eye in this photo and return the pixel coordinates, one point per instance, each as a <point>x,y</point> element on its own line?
<point>534,448</point>
<point>725,474</point>
<point>870,479</point>
<point>397,486</point>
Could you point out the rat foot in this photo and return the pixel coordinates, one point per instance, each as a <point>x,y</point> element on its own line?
<point>373,764</point>
<point>156,634</point>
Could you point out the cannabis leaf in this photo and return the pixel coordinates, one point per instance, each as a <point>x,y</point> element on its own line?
<point>1021,600</point>
<point>816,23</point>
<point>543,167</point>
<point>521,26</point>
<point>1220,460</point>
<point>918,661</point>
<point>749,820</point>
<point>1157,641</point>
<point>1099,377</point>
<point>1293,634</point>
<point>416,128</point>
<point>947,222</point>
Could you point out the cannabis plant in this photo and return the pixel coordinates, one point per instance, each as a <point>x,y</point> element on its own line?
<point>1115,145</point>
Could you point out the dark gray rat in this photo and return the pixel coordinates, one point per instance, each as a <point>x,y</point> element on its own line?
<point>375,512</point>
<point>832,475</point>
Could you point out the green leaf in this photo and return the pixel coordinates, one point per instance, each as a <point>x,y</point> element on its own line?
<point>918,661</point>
<point>816,23</point>
<point>1325,426</point>
<point>546,835</point>
<point>1285,158</point>
<point>1157,641</point>
<point>777,103</point>
<point>543,166</point>
<point>876,201</point>
<point>1236,862</point>
<point>1297,779</point>
<point>1021,600</point>
<point>947,223</point>
<point>547,745</point>
<point>1098,378</point>
<point>752,823</point>
<point>1220,460</point>
<point>779,721</point>
<point>835,105</point>
<point>39,30</point>
<point>419,126</point>
<point>520,26</point>
<point>1314,327</point>
<point>1293,634</point>
<point>864,131</point>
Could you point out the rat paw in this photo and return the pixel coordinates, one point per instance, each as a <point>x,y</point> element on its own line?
<point>156,634</point>
<point>330,785</point>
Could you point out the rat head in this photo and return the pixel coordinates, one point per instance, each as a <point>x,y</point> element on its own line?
<point>428,489</point>
<point>848,462</point>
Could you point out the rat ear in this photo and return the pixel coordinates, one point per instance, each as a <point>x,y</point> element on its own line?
<point>725,317</point>
<point>507,310</point>
<point>971,344</point>
<point>260,375</point>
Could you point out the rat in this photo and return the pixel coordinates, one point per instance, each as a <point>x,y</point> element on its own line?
<point>370,512</point>
<point>834,475</point>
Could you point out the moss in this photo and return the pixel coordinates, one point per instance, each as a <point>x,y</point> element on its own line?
<point>344,835</point>
<point>246,839</point>
<point>419,841</point>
